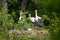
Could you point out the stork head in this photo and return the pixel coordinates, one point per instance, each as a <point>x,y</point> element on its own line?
<point>35,11</point>
<point>29,15</point>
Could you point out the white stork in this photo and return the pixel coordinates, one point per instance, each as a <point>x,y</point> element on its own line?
<point>20,18</point>
<point>37,21</point>
<point>31,18</point>
<point>36,16</point>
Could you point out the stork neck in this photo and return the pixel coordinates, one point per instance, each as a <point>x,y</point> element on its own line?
<point>35,13</point>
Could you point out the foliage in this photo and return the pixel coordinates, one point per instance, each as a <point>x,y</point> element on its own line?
<point>49,10</point>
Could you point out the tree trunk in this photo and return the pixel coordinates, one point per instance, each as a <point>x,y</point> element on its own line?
<point>4,4</point>
<point>23,5</point>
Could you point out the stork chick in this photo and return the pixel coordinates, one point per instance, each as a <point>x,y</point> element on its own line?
<point>36,16</point>
<point>31,18</point>
<point>37,21</point>
<point>20,18</point>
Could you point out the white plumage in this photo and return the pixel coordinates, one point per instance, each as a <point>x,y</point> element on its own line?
<point>36,16</point>
<point>31,18</point>
<point>37,21</point>
<point>20,18</point>
<point>29,29</point>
